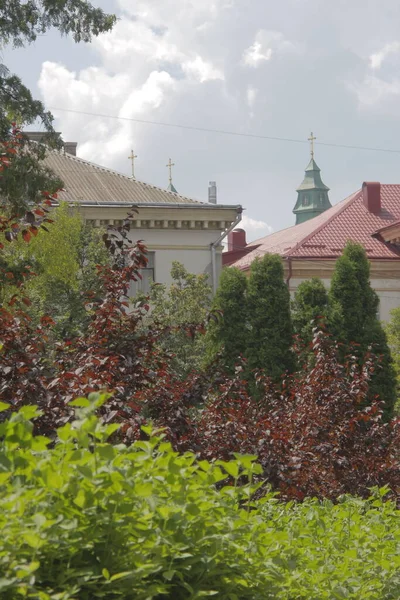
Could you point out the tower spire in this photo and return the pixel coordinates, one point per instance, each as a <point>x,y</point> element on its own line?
<point>171,186</point>
<point>312,194</point>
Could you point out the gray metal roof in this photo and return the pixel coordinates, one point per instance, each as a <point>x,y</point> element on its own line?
<point>85,181</point>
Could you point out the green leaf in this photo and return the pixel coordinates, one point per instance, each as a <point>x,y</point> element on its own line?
<point>120,575</point>
<point>4,406</point>
<point>232,468</point>
<point>80,402</point>
<point>143,489</point>
<point>32,540</point>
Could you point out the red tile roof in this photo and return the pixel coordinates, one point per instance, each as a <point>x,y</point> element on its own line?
<point>325,236</point>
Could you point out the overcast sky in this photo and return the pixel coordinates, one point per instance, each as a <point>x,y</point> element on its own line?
<point>277,69</point>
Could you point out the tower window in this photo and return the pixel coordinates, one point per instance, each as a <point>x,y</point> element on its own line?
<point>306,201</point>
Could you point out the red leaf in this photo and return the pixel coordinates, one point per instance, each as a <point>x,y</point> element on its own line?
<point>26,235</point>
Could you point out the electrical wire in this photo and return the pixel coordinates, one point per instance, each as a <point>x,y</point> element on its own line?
<point>224,132</point>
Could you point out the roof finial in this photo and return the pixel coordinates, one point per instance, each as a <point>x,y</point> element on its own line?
<point>169,166</point>
<point>312,139</point>
<point>132,159</point>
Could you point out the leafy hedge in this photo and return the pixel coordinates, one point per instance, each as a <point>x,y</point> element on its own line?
<point>85,519</point>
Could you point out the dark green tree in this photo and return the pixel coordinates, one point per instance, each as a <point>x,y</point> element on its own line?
<point>228,333</point>
<point>359,325</point>
<point>271,333</point>
<point>310,304</point>
<point>20,24</point>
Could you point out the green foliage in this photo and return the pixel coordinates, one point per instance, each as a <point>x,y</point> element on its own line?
<point>20,23</point>
<point>84,519</point>
<point>227,335</point>
<point>271,333</point>
<point>184,304</point>
<point>64,261</point>
<point>392,330</point>
<point>358,303</point>
<point>309,305</point>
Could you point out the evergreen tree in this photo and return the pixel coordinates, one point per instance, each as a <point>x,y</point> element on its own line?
<point>358,303</point>
<point>271,332</point>
<point>228,334</point>
<point>309,305</point>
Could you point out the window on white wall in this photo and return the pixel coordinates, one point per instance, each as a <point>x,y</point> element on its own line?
<point>143,285</point>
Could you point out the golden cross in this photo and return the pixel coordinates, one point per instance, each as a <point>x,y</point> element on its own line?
<point>132,159</point>
<point>312,139</point>
<point>169,166</point>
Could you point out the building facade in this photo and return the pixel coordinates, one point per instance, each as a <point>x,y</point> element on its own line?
<point>172,226</point>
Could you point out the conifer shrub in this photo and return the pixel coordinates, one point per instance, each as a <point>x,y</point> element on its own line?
<point>83,518</point>
<point>227,336</point>
<point>359,324</point>
<point>271,333</point>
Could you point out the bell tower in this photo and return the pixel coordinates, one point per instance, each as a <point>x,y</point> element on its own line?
<point>312,194</point>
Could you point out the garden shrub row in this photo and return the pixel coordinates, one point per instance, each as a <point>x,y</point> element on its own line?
<point>83,519</point>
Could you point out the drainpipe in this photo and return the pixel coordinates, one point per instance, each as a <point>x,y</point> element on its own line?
<point>217,242</point>
<point>289,271</point>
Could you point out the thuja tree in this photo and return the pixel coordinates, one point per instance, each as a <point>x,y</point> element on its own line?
<point>227,334</point>
<point>358,303</point>
<point>392,330</point>
<point>310,304</point>
<point>310,308</point>
<point>270,334</point>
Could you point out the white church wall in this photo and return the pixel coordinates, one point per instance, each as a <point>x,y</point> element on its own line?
<point>191,248</point>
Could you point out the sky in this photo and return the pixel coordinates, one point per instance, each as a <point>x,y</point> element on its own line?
<point>275,69</point>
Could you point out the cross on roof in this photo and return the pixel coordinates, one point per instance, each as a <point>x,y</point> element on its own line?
<point>132,159</point>
<point>169,166</point>
<point>312,139</point>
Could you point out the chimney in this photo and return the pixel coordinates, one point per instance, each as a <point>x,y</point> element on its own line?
<point>212,192</point>
<point>40,137</point>
<point>372,196</point>
<point>236,240</point>
<point>70,148</point>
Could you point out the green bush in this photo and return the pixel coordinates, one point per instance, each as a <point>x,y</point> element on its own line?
<point>82,519</point>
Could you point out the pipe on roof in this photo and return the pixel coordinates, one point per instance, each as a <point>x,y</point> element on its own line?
<point>214,245</point>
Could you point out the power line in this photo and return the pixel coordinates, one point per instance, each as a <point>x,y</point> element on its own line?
<point>223,131</point>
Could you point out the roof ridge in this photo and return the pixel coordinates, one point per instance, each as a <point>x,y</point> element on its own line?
<point>122,175</point>
<point>346,203</point>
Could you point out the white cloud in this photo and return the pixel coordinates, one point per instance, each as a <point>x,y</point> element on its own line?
<point>251,95</point>
<point>265,45</point>
<point>201,70</point>
<point>256,54</point>
<point>376,60</point>
<point>149,96</point>
<point>254,228</point>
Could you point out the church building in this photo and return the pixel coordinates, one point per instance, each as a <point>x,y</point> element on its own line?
<point>370,216</point>
<point>172,226</point>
